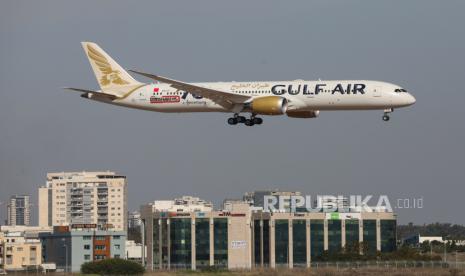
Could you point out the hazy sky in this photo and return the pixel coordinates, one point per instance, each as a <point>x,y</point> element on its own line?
<point>419,45</point>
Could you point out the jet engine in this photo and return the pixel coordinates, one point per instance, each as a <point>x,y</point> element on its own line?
<point>303,114</point>
<point>270,105</point>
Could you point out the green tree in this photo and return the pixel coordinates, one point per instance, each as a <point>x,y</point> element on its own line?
<point>112,267</point>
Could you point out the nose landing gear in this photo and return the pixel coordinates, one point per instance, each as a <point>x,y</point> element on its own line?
<point>386,114</point>
<point>242,120</point>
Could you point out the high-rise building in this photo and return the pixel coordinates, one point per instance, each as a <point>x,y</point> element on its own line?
<point>19,212</point>
<point>71,198</point>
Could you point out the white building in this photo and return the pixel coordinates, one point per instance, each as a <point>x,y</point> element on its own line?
<point>19,211</point>
<point>134,219</point>
<point>84,198</point>
<point>183,204</point>
<point>134,251</point>
<point>422,239</point>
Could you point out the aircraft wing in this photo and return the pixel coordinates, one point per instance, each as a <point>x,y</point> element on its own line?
<point>222,98</point>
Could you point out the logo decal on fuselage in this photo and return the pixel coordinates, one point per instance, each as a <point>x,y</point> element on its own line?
<point>164,99</point>
<point>291,89</point>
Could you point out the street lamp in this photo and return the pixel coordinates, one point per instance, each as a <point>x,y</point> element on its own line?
<point>66,254</point>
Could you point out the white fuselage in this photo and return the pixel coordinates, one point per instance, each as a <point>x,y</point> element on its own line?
<point>301,95</point>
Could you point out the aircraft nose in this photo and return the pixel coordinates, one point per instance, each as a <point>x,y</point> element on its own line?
<point>410,99</point>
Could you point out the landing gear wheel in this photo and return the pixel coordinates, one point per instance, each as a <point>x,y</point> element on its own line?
<point>241,119</point>
<point>258,121</point>
<point>386,114</point>
<point>249,122</point>
<point>232,121</point>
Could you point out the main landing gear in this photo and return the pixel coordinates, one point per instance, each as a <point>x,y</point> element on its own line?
<point>242,120</point>
<point>386,114</point>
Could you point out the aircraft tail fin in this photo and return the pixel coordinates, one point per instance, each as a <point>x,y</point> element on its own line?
<point>112,78</point>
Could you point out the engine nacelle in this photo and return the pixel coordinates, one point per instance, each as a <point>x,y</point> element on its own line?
<point>303,114</point>
<point>270,105</point>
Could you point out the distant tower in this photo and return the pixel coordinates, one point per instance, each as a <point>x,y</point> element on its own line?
<point>19,211</point>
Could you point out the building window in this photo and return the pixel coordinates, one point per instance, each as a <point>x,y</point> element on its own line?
<point>388,235</point>
<point>334,236</point>
<point>117,246</point>
<point>202,242</point>
<point>86,238</point>
<point>220,243</point>
<point>117,256</point>
<point>299,240</point>
<point>86,257</point>
<point>369,236</point>
<point>352,236</point>
<point>156,243</point>
<point>180,237</point>
<point>87,246</point>
<point>257,237</point>
<point>100,238</point>
<point>116,237</point>
<point>281,241</point>
<point>9,259</point>
<point>100,247</point>
<point>317,238</point>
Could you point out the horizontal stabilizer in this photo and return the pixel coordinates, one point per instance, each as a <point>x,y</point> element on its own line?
<point>90,93</point>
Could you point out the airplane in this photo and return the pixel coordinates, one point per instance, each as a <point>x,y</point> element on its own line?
<point>296,99</point>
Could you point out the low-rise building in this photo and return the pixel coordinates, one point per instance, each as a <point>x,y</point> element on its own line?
<point>19,252</point>
<point>134,251</point>
<point>241,237</point>
<point>70,247</point>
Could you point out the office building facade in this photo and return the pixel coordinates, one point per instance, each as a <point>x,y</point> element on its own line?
<point>19,210</point>
<point>241,238</point>
<point>84,198</point>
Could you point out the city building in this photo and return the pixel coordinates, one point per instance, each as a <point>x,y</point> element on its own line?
<point>256,198</point>
<point>183,204</point>
<point>196,239</point>
<point>19,252</point>
<point>134,251</point>
<point>29,231</point>
<point>70,247</point>
<point>242,238</point>
<point>19,211</point>
<point>134,219</point>
<point>84,198</point>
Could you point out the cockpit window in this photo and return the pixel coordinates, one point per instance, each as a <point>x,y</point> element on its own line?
<point>399,90</point>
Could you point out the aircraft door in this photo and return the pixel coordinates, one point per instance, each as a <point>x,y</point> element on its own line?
<point>377,91</point>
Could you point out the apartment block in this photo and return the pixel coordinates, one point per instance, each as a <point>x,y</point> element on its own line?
<point>69,198</point>
<point>19,252</point>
